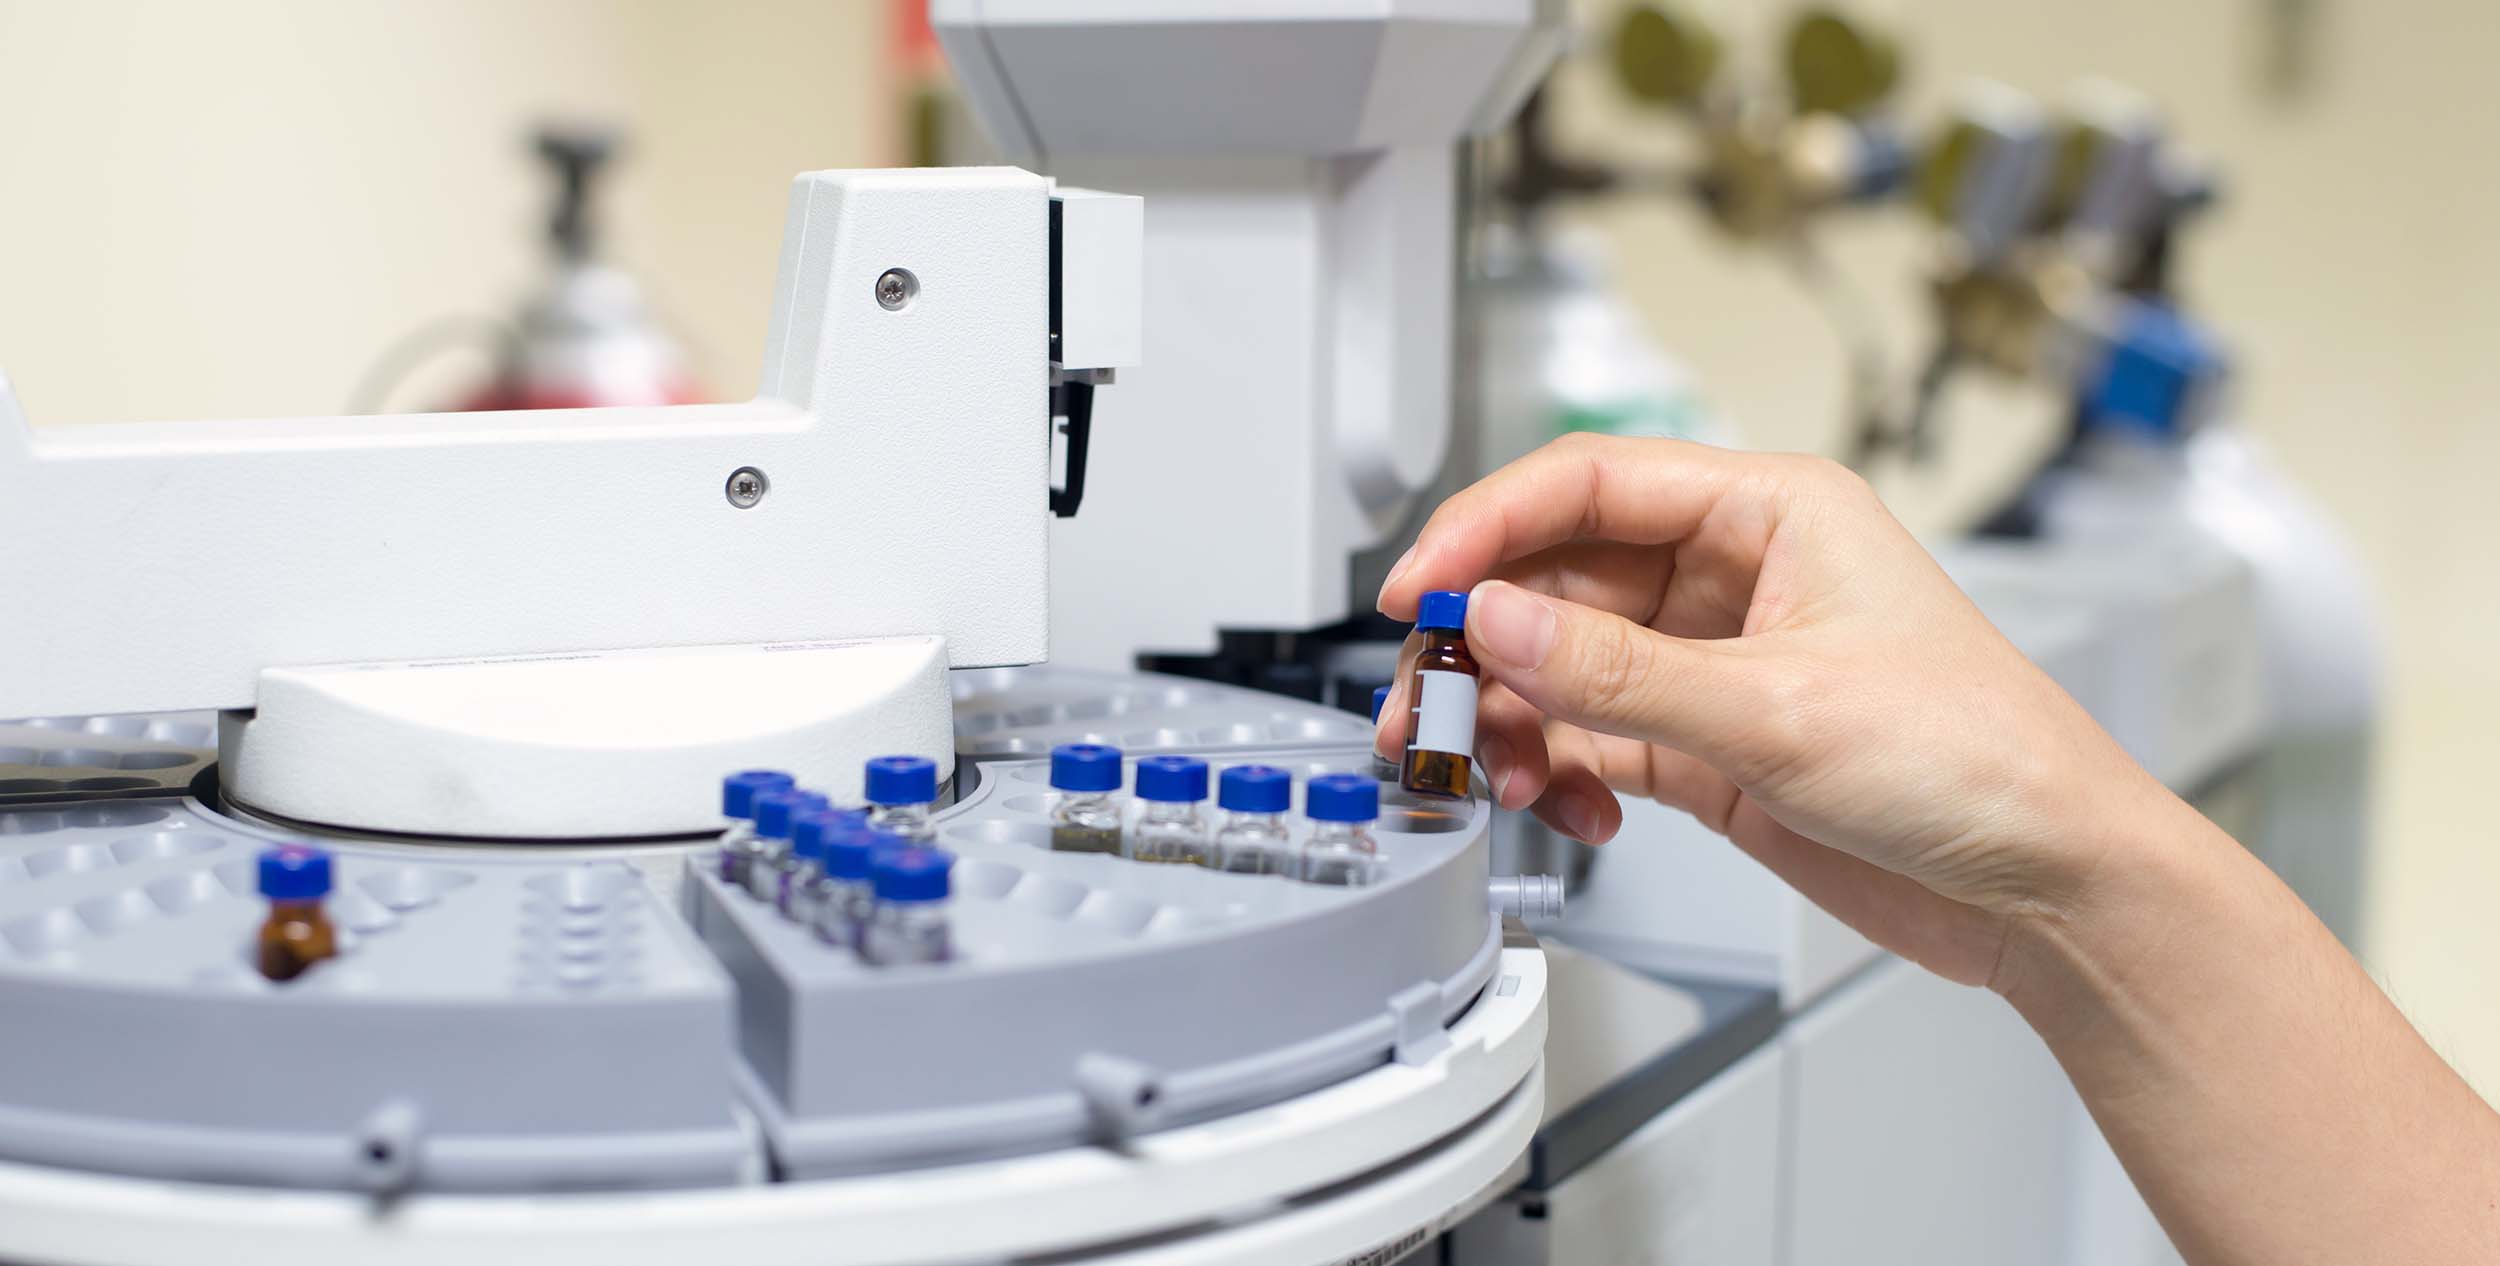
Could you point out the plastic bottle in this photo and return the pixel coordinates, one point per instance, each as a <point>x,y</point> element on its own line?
<point>911,924</point>
<point>902,793</point>
<point>1171,829</point>
<point>1340,851</point>
<point>804,863</point>
<point>1439,752</point>
<point>737,805</point>
<point>775,811</point>
<point>1254,799</point>
<point>847,895</point>
<point>297,933</point>
<point>1086,817</point>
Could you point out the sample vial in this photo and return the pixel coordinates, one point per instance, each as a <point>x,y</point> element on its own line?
<point>1383,768</point>
<point>847,895</point>
<point>1254,799</point>
<point>1438,750</point>
<point>902,793</point>
<point>1342,808</point>
<point>774,812</point>
<point>804,863</point>
<point>297,933</point>
<point>737,806</point>
<point>1171,829</point>
<point>1086,818</point>
<point>910,924</point>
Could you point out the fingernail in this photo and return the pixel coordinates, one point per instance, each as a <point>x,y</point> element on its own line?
<point>1396,570</point>
<point>1581,816</point>
<point>1510,624</point>
<point>1497,762</point>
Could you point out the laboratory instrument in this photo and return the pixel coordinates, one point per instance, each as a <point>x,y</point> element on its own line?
<point>1170,828</point>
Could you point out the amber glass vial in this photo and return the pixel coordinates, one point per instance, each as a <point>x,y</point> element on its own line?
<point>297,933</point>
<point>1440,745</point>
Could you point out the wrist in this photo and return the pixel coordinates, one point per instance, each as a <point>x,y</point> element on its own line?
<point>2153,877</point>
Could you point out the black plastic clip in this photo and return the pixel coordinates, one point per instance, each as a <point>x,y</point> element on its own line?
<point>1072,415</point>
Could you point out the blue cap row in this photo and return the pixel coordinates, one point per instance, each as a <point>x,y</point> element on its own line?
<point>889,780</point>
<point>1095,767</point>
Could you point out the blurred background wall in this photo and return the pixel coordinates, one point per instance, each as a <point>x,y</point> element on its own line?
<point>235,208</point>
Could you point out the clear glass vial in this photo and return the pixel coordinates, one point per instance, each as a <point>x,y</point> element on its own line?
<point>1252,839</point>
<point>298,932</point>
<point>902,793</point>
<point>1340,850</point>
<point>1171,829</point>
<point>737,806</point>
<point>775,811</point>
<point>1441,744</point>
<point>1383,768</point>
<point>1085,817</point>
<point>803,866</point>
<point>847,897</point>
<point>911,924</point>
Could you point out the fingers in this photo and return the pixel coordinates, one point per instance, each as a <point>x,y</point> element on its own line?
<point>1577,800</point>
<point>1510,736</point>
<point>1636,491</point>
<point>1599,671</point>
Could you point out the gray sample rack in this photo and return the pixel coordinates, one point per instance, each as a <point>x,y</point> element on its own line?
<point>517,1018</point>
<point>1093,997</point>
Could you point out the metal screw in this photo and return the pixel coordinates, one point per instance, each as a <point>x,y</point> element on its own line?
<point>895,289</point>
<point>746,487</point>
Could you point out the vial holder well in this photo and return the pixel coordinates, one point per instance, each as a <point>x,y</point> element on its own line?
<point>1012,713</point>
<point>1078,1005</point>
<point>465,1038</point>
<point>55,758</point>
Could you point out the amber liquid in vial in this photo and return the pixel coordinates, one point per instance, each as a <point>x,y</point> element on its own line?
<point>296,936</point>
<point>1438,761</point>
<point>1074,838</point>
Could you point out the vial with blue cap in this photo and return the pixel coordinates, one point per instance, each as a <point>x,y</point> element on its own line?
<point>1383,768</point>
<point>775,812</point>
<point>804,862</point>
<point>1254,799</point>
<point>1340,850</point>
<point>1085,817</point>
<point>911,924</point>
<point>1171,830</point>
<point>298,933</point>
<point>846,896</point>
<point>737,806</point>
<point>1440,746</point>
<point>902,794</point>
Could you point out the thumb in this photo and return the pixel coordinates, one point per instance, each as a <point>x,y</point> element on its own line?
<point>1596,670</point>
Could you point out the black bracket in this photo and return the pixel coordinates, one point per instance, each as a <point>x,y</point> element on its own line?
<point>1072,415</point>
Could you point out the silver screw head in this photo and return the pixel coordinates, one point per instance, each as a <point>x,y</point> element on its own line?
<point>895,289</point>
<point>746,487</point>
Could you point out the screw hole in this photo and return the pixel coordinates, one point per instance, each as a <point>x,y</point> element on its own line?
<point>378,1152</point>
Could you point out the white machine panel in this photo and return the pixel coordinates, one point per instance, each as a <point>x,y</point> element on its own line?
<point>903,448</point>
<point>1698,1184</point>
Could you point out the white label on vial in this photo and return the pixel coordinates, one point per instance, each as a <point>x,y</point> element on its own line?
<point>1445,715</point>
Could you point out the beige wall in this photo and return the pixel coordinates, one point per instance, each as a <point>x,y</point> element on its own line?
<point>231,209</point>
<point>2357,269</point>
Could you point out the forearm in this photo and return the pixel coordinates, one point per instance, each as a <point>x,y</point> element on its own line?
<point>2268,1100</point>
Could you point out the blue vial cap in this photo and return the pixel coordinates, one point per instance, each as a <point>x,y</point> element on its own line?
<point>294,872</point>
<point>808,830</point>
<point>1172,778</point>
<point>1442,609</point>
<point>1380,701</point>
<point>1255,789</point>
<point>811,831</point>
<point>902,780</point>
<point>851,853</point>
<point>776,810</point>
<point>1342,798</point>
<point>738,791</point>
<point>1085,767</point>
<point>912,874</point>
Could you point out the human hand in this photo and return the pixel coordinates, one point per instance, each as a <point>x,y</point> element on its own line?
<point>1755,640</point>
